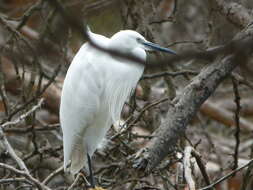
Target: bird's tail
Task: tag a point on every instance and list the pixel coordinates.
(75, 153)
(78, 158)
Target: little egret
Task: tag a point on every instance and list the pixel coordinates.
(95, 89)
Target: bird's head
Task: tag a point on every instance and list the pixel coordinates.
(128, 40)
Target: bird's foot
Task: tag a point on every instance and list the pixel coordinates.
(91, 176)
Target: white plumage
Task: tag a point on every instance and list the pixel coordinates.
(94, 91)
(95, 88)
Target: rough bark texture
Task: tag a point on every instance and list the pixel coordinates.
(234, 12)
(183, 111)
(187, 104)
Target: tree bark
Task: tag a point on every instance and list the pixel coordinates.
(188, 103)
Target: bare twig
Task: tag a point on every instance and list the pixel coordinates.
(172, 74)
(52, 175)
(187, 168)
(227, 176)
(97, 5)
(75, 181)
(11, 151)
(3, 91)
(237, 121)
(32, 128)
(17, 34)
(8, 147)
(247, 176)
(131, 124)
(23, 116)
(185, 42)
(14, 180)
(26, 175)
(29, 13)
(242, 80)
(170, 19)
(201, 166)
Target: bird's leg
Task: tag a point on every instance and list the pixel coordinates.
(92, 183)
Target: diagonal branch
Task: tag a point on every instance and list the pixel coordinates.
(23, 116)
(11, 151)
(234, 12)
(232, 173)
(187, 104)
(178, 117)
(37, 183)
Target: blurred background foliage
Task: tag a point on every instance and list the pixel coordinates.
(36, 47)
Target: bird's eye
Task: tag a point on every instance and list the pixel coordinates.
(138, 39)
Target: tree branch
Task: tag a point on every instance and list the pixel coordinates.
(187, 104)
(26, 175)
(178, 117)
(227, 176)
(11, 151)
(234, 12)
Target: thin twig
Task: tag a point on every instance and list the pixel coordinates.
(26, 175)
(185, 42)
(247, 176)
(49, 127)
(23, 116)
(242, 80)
(3, 93)
(187, 168)
(14, 180)
(226, 176)
(147, 108)
(52, 175)
(237, 121)
(17, 34)
(7, 145)
(11, 151)
(131, 124)
(25, 17)
(172, 74)
(75, 181)
(39, 94)
(201, 166)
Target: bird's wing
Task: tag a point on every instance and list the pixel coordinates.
(121, 78)
(80, 101)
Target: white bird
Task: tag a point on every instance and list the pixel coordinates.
(95, 89)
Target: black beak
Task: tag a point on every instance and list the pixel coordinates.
(152, 46)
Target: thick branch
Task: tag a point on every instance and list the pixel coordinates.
(234, 12)
(183, 111)
(190, 100)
